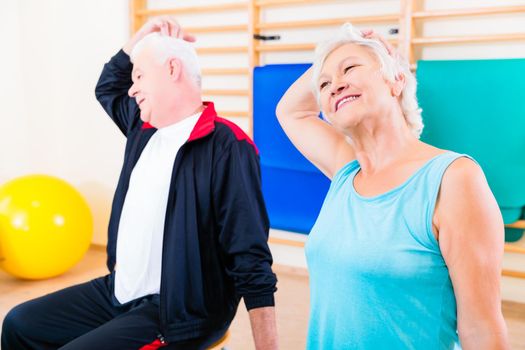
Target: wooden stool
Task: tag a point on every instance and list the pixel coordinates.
(221, 343)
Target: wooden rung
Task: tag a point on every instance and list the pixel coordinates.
(98, 247)
(468, 39)
(285, 47)
(328, 22)
(512, 248)
(225, 71)
(241, 114)
(468, 12)
(221, 92)
(136, 21)
(215, 29)
(273, 3)
(194, 9)
(231, 49)
(517, 224)
(287, 242)
(296, 47)
(513, 273)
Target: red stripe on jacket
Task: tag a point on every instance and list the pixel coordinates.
(206, 124)
(154, 345)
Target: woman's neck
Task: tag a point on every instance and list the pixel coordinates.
(379, 144)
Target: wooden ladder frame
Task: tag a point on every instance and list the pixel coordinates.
(406, 41)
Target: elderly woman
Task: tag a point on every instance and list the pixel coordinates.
(406, 252)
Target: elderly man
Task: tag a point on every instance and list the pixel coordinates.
(188, 229)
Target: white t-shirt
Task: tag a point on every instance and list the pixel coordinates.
(141, 227)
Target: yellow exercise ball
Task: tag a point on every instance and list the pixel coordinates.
(46, 227)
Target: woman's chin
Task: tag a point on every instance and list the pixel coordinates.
(346, 121)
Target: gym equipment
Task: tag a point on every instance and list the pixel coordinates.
(45, 227)
(293, 188)
(476, 107)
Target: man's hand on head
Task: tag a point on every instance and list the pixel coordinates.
(165, 25)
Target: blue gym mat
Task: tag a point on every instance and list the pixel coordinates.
(293, 188)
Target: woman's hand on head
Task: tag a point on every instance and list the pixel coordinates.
(370, 34)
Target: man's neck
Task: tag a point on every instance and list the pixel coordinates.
(182, 112)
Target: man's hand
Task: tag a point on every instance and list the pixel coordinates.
(165, 25)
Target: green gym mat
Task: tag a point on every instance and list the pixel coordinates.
(477, 107)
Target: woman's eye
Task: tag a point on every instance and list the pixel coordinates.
(348, 68)
(323, 85)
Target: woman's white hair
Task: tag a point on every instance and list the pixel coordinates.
(165, 47)
(390, 68)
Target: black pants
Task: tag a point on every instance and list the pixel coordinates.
(88, 316)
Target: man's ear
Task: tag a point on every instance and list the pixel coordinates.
(398, 85)
(174, 68)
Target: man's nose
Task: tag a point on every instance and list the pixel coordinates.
(132, 91)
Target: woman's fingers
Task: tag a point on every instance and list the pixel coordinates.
(370, 34)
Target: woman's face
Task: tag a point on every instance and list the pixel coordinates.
(352, 87)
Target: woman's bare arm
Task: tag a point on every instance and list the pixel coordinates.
(471, 238)
(318, 141)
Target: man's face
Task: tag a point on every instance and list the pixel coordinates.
(151, 84)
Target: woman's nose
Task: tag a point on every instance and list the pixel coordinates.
(337, 87)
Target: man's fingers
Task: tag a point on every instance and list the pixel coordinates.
(167, 25)
(178, 33)
(165, 29)
(189, 37)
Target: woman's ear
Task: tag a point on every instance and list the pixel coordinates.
(174, 68)
(398, 85)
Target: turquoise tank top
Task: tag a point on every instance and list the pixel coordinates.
(377, 276)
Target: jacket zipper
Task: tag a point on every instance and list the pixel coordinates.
(162, 311)
(161, 338)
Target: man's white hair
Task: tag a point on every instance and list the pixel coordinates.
(390, 68)
(165, 47)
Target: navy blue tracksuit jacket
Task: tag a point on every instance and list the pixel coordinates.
(215, 247)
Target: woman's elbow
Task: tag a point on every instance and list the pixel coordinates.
(485, 335)
(280, 110)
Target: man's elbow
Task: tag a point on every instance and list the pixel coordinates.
(98, 91)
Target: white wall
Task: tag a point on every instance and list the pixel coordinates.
(52, 54)
(13, 129)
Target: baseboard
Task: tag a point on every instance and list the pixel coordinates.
(513, 309)
(98, 247)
